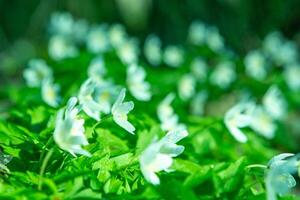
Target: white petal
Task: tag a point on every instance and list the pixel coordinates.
(70, 109)
(151, 177)
(175, 135)
(79, 150)
(92, 109)
(124, 124)
(279, 158)
(125, 107)
(237, 134)
(119, 100)
(162, 162)
(172, 149)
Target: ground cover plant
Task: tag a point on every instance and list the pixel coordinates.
(101, 115)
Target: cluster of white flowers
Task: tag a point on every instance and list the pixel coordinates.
(39, 74)
(159, 155)
(172, 55)
(200, 34)
(280, 50)
(187, 86)
(98, 95)
(99, 40)
(64, 30)
(68, 34)
(261, 118)
(69, 129)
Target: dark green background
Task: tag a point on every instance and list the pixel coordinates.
(242, 22)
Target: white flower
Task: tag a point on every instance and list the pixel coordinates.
(117, 35)
(278, 178)
(105, 93)
(120, 110)
(239, 116)
(291, 75)
(4, 160)
(173, 56)
(69, 130)
(97, 39)
(128, 51)
(89, 105)
(61, 47)
(186, 87)
(50, 92)
(274, 103)
(61, 23)
(96, 69)
(159, 155)
(262, 123)
(80, 30)
(96, 97)
(136, 83)
(197, 103)
(272, 43)
(255, 65)
(281, 51)
(36, 72)
(169, 120)
(197, 33)
(223, 75)
(199, 69)
(214, 40)
(152, 50)
(288, 53)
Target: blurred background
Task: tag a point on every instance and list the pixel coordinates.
(243, 23)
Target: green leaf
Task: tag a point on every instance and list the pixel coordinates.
(230, 178)
(145, 138)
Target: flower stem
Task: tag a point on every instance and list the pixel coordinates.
(44, 165)
(50, 140)
(257, 166)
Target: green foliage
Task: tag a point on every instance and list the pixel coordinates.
(213, 164)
